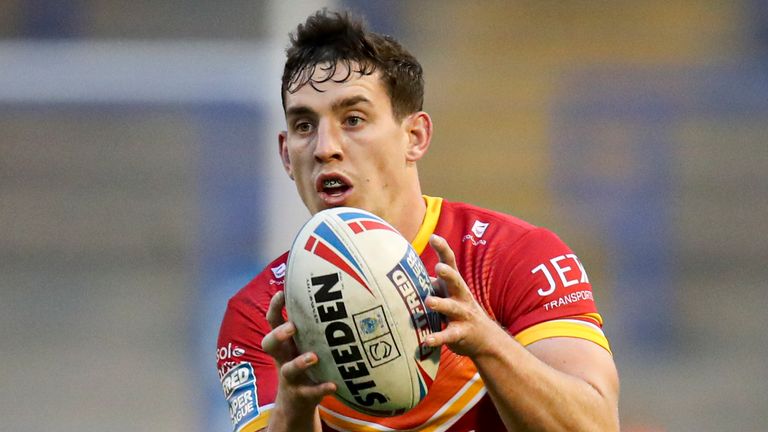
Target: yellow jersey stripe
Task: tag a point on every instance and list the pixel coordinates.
(343, 423)
(594, 316)
(465, 399)
(260, 422)
(428, 224)
(563, 328)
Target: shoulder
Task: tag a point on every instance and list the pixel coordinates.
(473, 223)
(496, 245)
(257, 294)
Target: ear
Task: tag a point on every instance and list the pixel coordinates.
(282, 139)
(419, 129)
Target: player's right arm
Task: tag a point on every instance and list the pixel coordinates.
(248, 375)
(265, 389)
(297, 396)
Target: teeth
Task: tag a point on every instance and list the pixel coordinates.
(332, 183)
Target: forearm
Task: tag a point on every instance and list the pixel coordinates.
(531, 395)
(297, 395)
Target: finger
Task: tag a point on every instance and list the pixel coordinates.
(295, 373)
(446, 307)
(438, 287)
(279, 342)
(448, 336)
(295, 370)
(275, 312)
(319, 391)
(452, 282)
(447, 270)
(444, 252)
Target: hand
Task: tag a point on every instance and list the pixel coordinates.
(470, 331)
(296, 390)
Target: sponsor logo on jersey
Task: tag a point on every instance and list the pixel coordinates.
(478, 229)
(225, 367)
(227, 358)
(239, 386)
(229, 351)
(469, 237)
(279, 271)
(568, 269)
(569, 299)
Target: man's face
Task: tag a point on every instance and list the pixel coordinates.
(343, 146)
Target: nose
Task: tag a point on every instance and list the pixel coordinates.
(328, 143)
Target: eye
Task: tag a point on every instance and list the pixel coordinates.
(353, 121)
(303, 127)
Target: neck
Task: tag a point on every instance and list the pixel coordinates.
(409, 217)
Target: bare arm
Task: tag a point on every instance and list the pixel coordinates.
(558, 384)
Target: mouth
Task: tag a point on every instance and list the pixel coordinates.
(333, 189)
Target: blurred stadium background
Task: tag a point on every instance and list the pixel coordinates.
(140, 188)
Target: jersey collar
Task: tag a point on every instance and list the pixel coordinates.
(434, 204)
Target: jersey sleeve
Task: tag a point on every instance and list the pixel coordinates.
(546, 292)
(248, 375)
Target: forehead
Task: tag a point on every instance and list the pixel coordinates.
(327, 85)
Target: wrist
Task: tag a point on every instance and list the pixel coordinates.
(498, 343)
(292, 414)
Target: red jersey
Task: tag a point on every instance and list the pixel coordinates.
(524, 276)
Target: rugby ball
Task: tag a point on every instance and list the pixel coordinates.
(355, 290)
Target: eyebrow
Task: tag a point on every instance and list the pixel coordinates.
(303, 110)
(298, 111)
(349, 102)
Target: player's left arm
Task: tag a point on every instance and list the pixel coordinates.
(553, 384)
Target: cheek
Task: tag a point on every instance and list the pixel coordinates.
(382, 160)
(390, 165)
(300, 170)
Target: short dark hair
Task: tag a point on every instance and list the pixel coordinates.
(330, 39)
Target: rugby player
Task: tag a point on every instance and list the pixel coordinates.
(523, 348)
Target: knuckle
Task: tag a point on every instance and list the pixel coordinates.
(268, 343)
(434, 302)
(288, 370)
(314, 392)
(283, 332)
